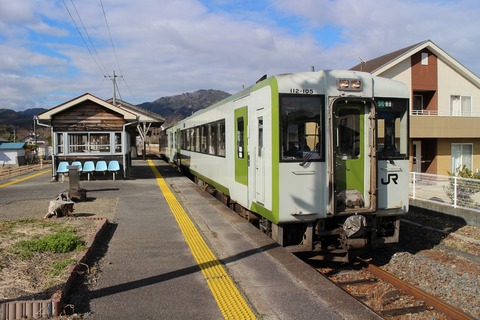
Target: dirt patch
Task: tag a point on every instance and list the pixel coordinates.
(37, 208)
(41, 274)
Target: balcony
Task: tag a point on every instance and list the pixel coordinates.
(434, 124)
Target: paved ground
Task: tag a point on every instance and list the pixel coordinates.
(149, 272)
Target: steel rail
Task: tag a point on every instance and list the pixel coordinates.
(430, 300)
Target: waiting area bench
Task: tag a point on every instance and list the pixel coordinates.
(90, 167)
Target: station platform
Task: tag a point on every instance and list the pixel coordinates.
(178, 253)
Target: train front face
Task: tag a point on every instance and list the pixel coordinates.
(343, 162)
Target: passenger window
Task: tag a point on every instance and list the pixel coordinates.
(221, 138)
(212, 138)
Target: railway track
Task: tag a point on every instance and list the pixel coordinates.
(387, 295)
(14, 171)
(435, 253)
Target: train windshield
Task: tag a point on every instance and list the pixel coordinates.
(392, 120)
(301, 128)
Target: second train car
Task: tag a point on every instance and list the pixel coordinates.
(319, 158)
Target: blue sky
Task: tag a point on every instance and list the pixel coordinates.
(165, 48)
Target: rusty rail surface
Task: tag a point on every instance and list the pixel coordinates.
(430, 300)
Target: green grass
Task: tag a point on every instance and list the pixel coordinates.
(62, 241)
(58, 267)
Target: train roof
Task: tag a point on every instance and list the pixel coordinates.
(396, 91)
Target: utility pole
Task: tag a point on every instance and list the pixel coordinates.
(113, 78)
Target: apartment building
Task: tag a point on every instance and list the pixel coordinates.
(444, 109)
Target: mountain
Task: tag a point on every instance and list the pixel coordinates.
(175, 108)
(172, 108)
(19, 119)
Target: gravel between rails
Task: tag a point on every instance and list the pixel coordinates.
(444, 264)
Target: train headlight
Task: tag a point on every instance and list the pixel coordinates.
(356, 85)
(350, 84)
(343, 84)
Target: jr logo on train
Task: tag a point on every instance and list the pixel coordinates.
(318, 160)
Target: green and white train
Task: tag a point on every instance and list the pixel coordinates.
(319, 159)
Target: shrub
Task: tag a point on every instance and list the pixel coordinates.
(465, 189)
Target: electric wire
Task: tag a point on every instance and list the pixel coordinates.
(111, 39)
(114, 50)
(88, 36)
(91, 48)
(81, 36)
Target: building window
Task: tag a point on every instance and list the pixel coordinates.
(424, 58)
(60, 143)
(460, 105)
(118, 142)
(89, 142)
(462, 155)
(100, 142)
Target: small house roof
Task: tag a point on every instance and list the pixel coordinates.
(12, 145)
(383, 63)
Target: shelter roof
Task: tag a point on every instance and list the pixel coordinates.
(128, 115)
(144, 115)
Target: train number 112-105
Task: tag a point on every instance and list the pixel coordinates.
(302, 91)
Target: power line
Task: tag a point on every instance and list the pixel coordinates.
(111, 40)
(88, 36)
(113, 47)
(91, 47)
(83, 39)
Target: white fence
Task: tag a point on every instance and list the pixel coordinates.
(450, 191)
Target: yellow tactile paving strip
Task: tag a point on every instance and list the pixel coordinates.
(23, 179)
(229, 299)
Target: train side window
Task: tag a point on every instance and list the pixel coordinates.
(184, 140)
(212, 138)
(187, 139)
(221, 138)
(191, 133)
(240, 132)
(204, 141)
(197, 139)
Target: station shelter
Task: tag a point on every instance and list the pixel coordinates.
(88, 128)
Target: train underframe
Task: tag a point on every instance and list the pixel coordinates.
(339, 238)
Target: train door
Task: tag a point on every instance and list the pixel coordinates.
(353, 159)
(257, 158)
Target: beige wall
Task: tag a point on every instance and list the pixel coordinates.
(400, 72)
(450, 83)
(444, 149)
